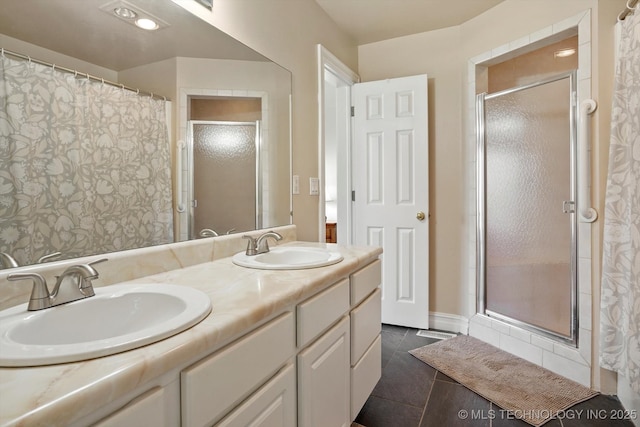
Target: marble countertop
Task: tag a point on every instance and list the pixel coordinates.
(241, 298)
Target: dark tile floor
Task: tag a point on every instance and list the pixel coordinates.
(413, 394)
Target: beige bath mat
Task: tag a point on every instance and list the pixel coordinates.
(531, 393)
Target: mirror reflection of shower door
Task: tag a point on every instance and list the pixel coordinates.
(224, 176)
(528, 222)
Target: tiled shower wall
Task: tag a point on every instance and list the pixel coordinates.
(571, 362)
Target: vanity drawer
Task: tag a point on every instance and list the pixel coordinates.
(217, 383)
(320, 311)
(147, 409)
(365, 376)
(364, 281)
(366, 324)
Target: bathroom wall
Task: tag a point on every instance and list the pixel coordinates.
(287, 32)
(52, 57)
(443, 55)
(596, 64)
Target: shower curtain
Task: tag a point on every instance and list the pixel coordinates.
(620, 299)
(84, 166)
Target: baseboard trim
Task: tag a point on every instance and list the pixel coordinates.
(449, 322)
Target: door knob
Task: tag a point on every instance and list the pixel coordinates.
(420, 216)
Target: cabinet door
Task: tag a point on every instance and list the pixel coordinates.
(365, 375)
(274, 405)
(324, 380)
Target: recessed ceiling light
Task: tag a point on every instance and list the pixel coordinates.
(133, 15)
(563, 53)
(125, 13)
(146, 24)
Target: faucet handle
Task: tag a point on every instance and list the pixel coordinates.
(85, 285)
(48, 257)
(7, 261)
(40, 297)
(98, 261)
(208, 232)
(252, 245)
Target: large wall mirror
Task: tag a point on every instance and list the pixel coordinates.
(115, 138)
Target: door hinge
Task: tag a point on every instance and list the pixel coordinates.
(353, 195)
(353, 111)
(568, 206)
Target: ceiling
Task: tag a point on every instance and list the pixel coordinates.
(79, 28)
(368, 21)
(82, 30)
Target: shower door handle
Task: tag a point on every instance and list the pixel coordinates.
(568, 206)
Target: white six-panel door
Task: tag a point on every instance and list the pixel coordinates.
(391, 184)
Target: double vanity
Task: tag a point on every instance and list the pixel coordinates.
(292, 342)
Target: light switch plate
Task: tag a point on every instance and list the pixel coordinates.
(296, 184)
(314, 186)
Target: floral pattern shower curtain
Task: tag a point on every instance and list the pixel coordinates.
(620, 299)
(84, 166)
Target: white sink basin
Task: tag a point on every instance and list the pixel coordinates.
(289, 258)
(116, 319)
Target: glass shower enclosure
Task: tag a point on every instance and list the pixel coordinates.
(527, 247)
(224, 177)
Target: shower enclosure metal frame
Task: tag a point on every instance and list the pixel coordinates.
(481, 226)
(190, 168)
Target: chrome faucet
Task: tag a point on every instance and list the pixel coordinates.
(78, 286)
(7, 261)
(260, 244)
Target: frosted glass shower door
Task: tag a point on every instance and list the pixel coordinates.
(529, 229)
(224, 176)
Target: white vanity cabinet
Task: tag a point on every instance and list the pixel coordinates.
(314, 365)
(315, 371)
(216, 384)
(338, 369)
(312, 362)
(323, 358)
(323, 380)
(365, 327)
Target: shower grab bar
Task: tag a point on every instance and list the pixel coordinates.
(179, 148)
(586, 212)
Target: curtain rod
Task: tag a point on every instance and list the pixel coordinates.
(4, 51)
(629, 9)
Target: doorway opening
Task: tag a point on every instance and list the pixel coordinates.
(377, 171)
(335, 133)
